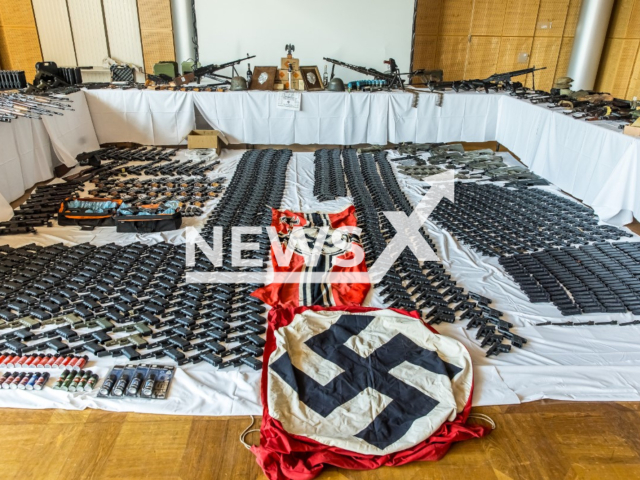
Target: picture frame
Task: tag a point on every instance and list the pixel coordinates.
(263, 78)
(312, 78)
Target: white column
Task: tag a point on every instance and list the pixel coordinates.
(182, 30)
(588, 42)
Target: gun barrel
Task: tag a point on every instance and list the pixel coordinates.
(516, 73)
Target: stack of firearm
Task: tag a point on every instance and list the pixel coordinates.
(588, 106)
(39, 209)
(392, 79)
(195, 190)
(182, 168)
(496, 82)
(474, 165)
(138, 154)
(15, 105)
(12, 79)
(63, 301)
(209, 71)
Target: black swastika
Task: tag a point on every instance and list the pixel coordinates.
(408, 403)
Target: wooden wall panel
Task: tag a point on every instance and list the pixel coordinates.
(552, 15)
(616, 67)
(634, 82)
(544, 53)
(572, 18)
(16, 14)
(428, 15)
(563, 57)
(488, 16)
(633, 28)
(425, 52)
(510, 49)
(619, 22)
(451, 55)
(19, 43)
(156, 31)
(620, 54)
(482, 57)
(456, 17)
(468, 35)
(54, 30)
(520, 18)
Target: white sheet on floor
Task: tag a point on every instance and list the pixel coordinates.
(566, 363)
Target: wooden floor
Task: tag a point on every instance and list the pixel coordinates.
(541, 440)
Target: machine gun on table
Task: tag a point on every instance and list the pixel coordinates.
(393, 78)
(495, 82)
(210, 71)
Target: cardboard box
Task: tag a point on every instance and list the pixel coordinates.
(283, 80)
(284, 63)
(631, 130)
(207, 139)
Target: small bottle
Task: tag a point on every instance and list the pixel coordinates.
(23, 383)
(63, 377)
(40, 383)
(634, 103)
(91, 383)
(121, 385)
(134, 386)
(149, 384)
(33, 381)
(325, 77)
(108, 385)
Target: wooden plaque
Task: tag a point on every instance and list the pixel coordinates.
(263, 78)
(311, 78)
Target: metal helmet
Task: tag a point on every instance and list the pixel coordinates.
(336, 85)
(238, 84)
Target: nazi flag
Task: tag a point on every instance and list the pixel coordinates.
(359, 388)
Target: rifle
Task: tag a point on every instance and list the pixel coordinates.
(505, 78)
(210, 71)
(394, 78)
(494, 82)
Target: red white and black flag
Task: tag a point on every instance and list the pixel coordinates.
(300, 232)
(359, 388)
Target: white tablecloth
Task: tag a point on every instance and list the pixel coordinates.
(141, 116)
(594, 164)
(26, 149)
(73, 132)
(25, 158)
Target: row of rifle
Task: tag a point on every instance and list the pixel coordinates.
(18, 105)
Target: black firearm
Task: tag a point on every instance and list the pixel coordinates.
(394, 77)
(494, 82)
(507, 76)
(210, 71)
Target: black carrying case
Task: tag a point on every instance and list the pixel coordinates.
(87, 220)
(148, 223)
